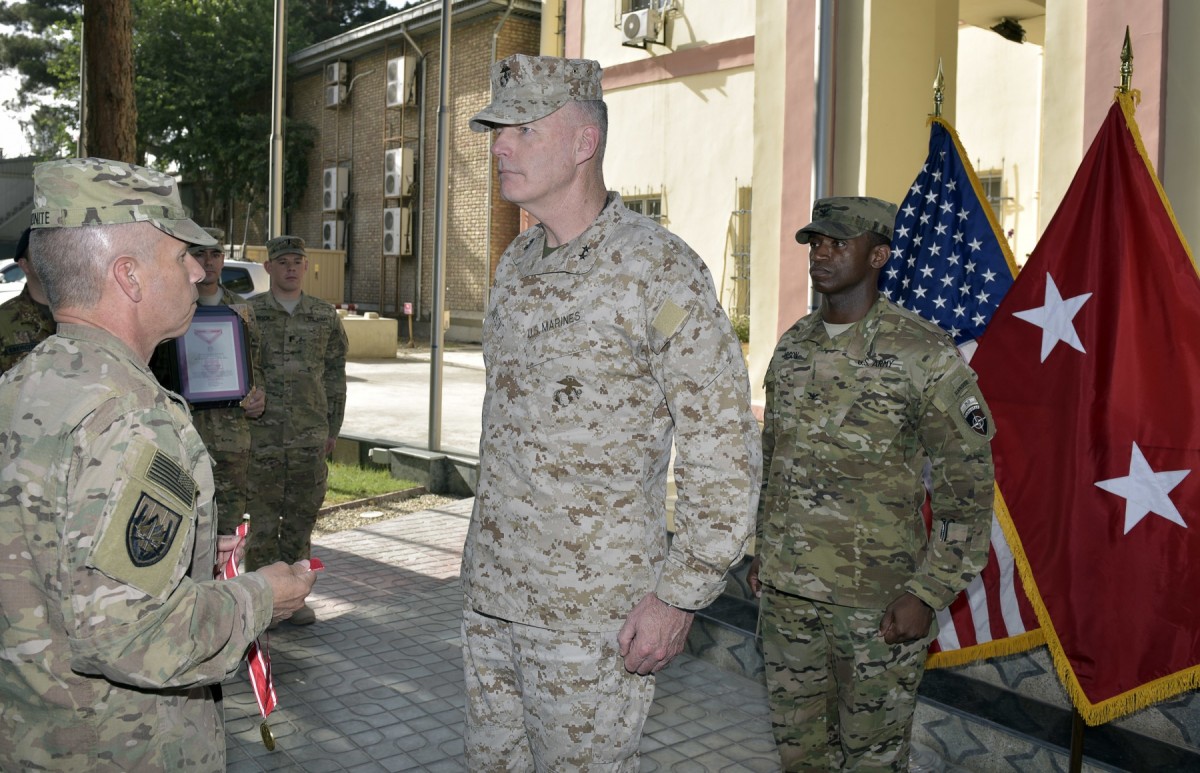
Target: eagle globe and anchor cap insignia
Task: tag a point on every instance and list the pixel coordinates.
(976, 419)
(570, 392)
(150, 531)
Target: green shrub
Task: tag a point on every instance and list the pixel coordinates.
(741, 326)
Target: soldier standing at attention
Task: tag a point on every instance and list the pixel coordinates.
(603, 341)
(26, 319)
(114, 629)
(226, 431)
(304, 364)
(859, 395)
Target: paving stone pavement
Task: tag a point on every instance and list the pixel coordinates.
(376, 684)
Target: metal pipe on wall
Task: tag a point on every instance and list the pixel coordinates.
(823, 123)
(279, 65)
(419, 236)
(439, 248)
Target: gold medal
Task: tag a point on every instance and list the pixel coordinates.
(268, 738)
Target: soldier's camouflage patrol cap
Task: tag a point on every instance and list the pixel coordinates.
(285, 245)
(216, 233)
(844, 217)
(526, 88)
(95, 191)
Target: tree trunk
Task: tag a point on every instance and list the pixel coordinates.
(110, 115)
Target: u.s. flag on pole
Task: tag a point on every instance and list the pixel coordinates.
(950, 264)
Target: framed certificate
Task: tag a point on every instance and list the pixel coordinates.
(212, 359)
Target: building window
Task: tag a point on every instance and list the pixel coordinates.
(650, 206)
(992, 184)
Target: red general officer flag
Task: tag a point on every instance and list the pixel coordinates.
(1091, 366)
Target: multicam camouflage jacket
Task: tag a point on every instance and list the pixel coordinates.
(23, 324)
(304, 370)
(596, 355)
(113, 627)
(228, 429)
(848, 427)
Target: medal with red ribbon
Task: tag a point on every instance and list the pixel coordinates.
(257, 657)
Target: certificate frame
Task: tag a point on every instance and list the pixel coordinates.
(212, 359)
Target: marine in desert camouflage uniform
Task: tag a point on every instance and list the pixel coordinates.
(603, 341)
(859, 396)
(304, 367)
(114, 628)
(26, 319)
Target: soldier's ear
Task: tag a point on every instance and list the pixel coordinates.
(880, 254)
(125, 272)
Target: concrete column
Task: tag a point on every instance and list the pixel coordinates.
(784, 117)
(886, 60)
(1181, 128)
(1082, 71)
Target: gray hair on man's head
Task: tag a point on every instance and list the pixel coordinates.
(72, 262)
(595, 111)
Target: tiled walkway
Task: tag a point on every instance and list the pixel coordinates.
(376, 684)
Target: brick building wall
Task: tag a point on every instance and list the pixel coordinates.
(356, 136)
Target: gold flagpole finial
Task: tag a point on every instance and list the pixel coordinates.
(939, 83)
(1126, 63)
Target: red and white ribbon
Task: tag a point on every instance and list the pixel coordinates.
(258, 658)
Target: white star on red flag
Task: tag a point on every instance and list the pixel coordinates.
(1146, 491)
(1055, 317)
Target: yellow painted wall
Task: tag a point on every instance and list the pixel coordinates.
(1182, 154)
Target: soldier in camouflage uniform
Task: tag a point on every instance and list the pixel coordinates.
(26, 319)
(304, 365)
(603, 341)
(226, 431)
(860, 395)
(114, 628)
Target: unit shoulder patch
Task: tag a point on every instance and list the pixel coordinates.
(147, 527)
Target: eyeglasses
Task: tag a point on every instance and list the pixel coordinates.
(208, 254)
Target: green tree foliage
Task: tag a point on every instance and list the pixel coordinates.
(203, 70)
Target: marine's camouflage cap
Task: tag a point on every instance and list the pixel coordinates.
(526, 88)
(216, 233)
(844, 217)
(95, 191)
(285, 245)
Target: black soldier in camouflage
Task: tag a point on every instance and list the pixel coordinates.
(861, 394)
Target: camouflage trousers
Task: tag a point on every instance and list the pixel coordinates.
(231, 476)
(288, 489)
(841, 698)
(542, 700)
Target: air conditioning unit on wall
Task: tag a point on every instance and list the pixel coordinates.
(400, 82)
(335, 73)
(641, 27)
(398, 172)
(397, 237)
(335, 95)
(335, 185)
(332, 232)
